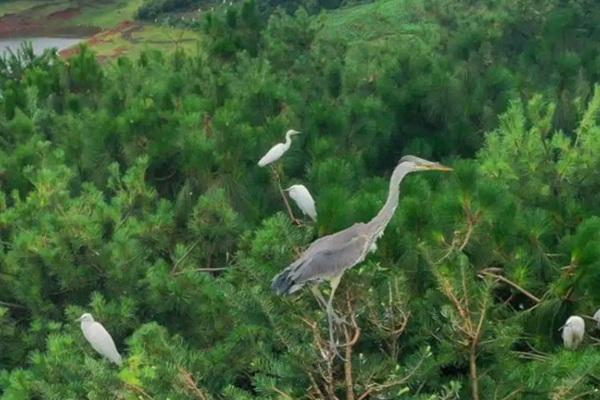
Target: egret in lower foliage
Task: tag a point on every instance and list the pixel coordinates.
(329, 257)
(573, 331)
(99, 338)
(303, 199)
(597, 317)
(278, 150)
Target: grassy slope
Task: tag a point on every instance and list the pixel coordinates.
(107, 15)
(374, 22)
(147, 37)
(15, 7)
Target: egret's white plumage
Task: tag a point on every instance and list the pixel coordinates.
(597, 317)
(303, 199)
(99, 338)
(278, 150)
(573, 331)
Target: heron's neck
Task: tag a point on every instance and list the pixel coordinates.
(387, 212)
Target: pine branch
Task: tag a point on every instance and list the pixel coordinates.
(501, 278)
(184, 256)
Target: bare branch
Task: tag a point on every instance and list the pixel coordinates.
(202, 270)
(184, 256)
(282, 394)
(13, 305)
(285, 200)
(375, 388)
(191, 384)
(501, 278)
(138, 390)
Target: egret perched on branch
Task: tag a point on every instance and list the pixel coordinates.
(99, 338)
(329, 257)
(278, 150)
(573, 331)
(303, 199)
(597, 317)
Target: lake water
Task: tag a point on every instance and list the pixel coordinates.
(39, 43)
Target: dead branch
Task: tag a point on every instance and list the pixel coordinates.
(282, 394)
(472, 221)
(13, 305)
(512, 284)
(189, 382)
(284, 197)
(202, 270)
(138, 390)
(184, 256)
(378, 387)
(325, 366)
(351, 340)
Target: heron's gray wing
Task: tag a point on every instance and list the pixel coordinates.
(325, 258)
(336, 239)
(329, 261)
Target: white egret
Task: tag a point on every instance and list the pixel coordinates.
(278, 150)
(573, 331)
(597, 317)
(99, 338)
(303, 199)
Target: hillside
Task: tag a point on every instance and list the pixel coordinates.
(109, 27)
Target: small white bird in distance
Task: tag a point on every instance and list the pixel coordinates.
(99, 338)
(303, 199)
(597, 317)
(573, 331)
(278, 150)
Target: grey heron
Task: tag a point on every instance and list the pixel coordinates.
(278, 150)
(573, 331)
(303, 199)
(99, 338)
(329, 257)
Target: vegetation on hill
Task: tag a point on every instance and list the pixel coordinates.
(130, 190)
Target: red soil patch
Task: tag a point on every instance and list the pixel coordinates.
(123, 28)
(66, 14)
(119, 51)
(13, 24)
(23, 24)
(70, 52)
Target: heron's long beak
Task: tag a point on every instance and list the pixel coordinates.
(437, 167)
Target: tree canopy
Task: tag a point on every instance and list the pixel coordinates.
(130, 190)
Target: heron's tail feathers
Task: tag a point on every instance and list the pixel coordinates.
(284, 284)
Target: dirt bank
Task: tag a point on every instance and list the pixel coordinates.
(33, 22)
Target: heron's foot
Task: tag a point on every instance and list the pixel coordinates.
(339, 320)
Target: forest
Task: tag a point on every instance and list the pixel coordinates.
(129, 189)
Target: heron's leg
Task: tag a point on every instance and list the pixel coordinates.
(323, 303)
(317, 293)
(330, 313)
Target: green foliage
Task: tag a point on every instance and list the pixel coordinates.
(130, 190)
(150, 9)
